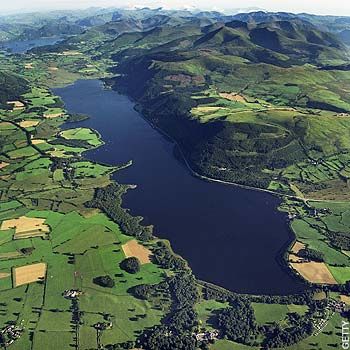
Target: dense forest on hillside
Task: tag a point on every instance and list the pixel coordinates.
(11, 87)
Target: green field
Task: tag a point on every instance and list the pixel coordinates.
(269, 313)
(88, 135)
(229, 345)
(82, 243)
(206, 312)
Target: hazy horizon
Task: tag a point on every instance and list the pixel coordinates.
(322, 7)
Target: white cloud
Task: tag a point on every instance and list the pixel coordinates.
(335, 7)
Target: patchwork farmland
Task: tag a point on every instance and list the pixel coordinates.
(51, 242)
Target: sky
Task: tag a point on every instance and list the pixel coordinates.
(333, 7)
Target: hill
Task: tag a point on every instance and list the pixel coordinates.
(11, 87)
(272, 71)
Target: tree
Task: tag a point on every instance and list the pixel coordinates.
(27, 250)
(238, 322)
(104, 281)
(311, 254)
(131, 265)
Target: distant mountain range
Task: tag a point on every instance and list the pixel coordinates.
(36, 25)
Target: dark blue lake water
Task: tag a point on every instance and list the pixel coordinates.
(22, 46)
(230, 236)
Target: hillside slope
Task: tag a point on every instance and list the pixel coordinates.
(240, 98)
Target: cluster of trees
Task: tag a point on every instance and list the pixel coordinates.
(61, 163)
(131, 264)
(11, 87)
(141, 291)
(325, 105)
(278, 337)
(76, 117)
(311, 254)
(339, 240)
(163, 256)
(237, 322)
(212, 292)
(64, 163)
(70, 142)
(126, 345)
(341, 288)
(177, 328)
(161, 338)
(57, 104)
(104, 281)
(184, 289)
(244, 159)
(27, 250)
(58, 47)
(108, 199)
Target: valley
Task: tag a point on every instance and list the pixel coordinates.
(110, 239)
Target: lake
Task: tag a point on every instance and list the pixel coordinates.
(230, 236)
(22, 46)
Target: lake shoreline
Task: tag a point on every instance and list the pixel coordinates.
(278, 258)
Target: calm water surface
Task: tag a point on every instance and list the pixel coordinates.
(230, 236)
(22, 46)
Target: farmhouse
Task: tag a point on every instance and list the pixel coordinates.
(9, 334)
(103, 325)
(205, 336)
(337, 305)
(72, 293)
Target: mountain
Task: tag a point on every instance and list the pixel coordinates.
(279, 42)
(12, 87)
(345, 36)
(263, 16)
(273, 69)
(281, 64)
(57, 28)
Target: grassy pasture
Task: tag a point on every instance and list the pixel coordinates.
(88, 169)
(84, 134)
(341, 274)
(54, 340)
(268, 313)
(206, 312)
(129, 314)
(22, 152)
(75, 234)
(62, 151)
(316, 239)
(223, 344)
